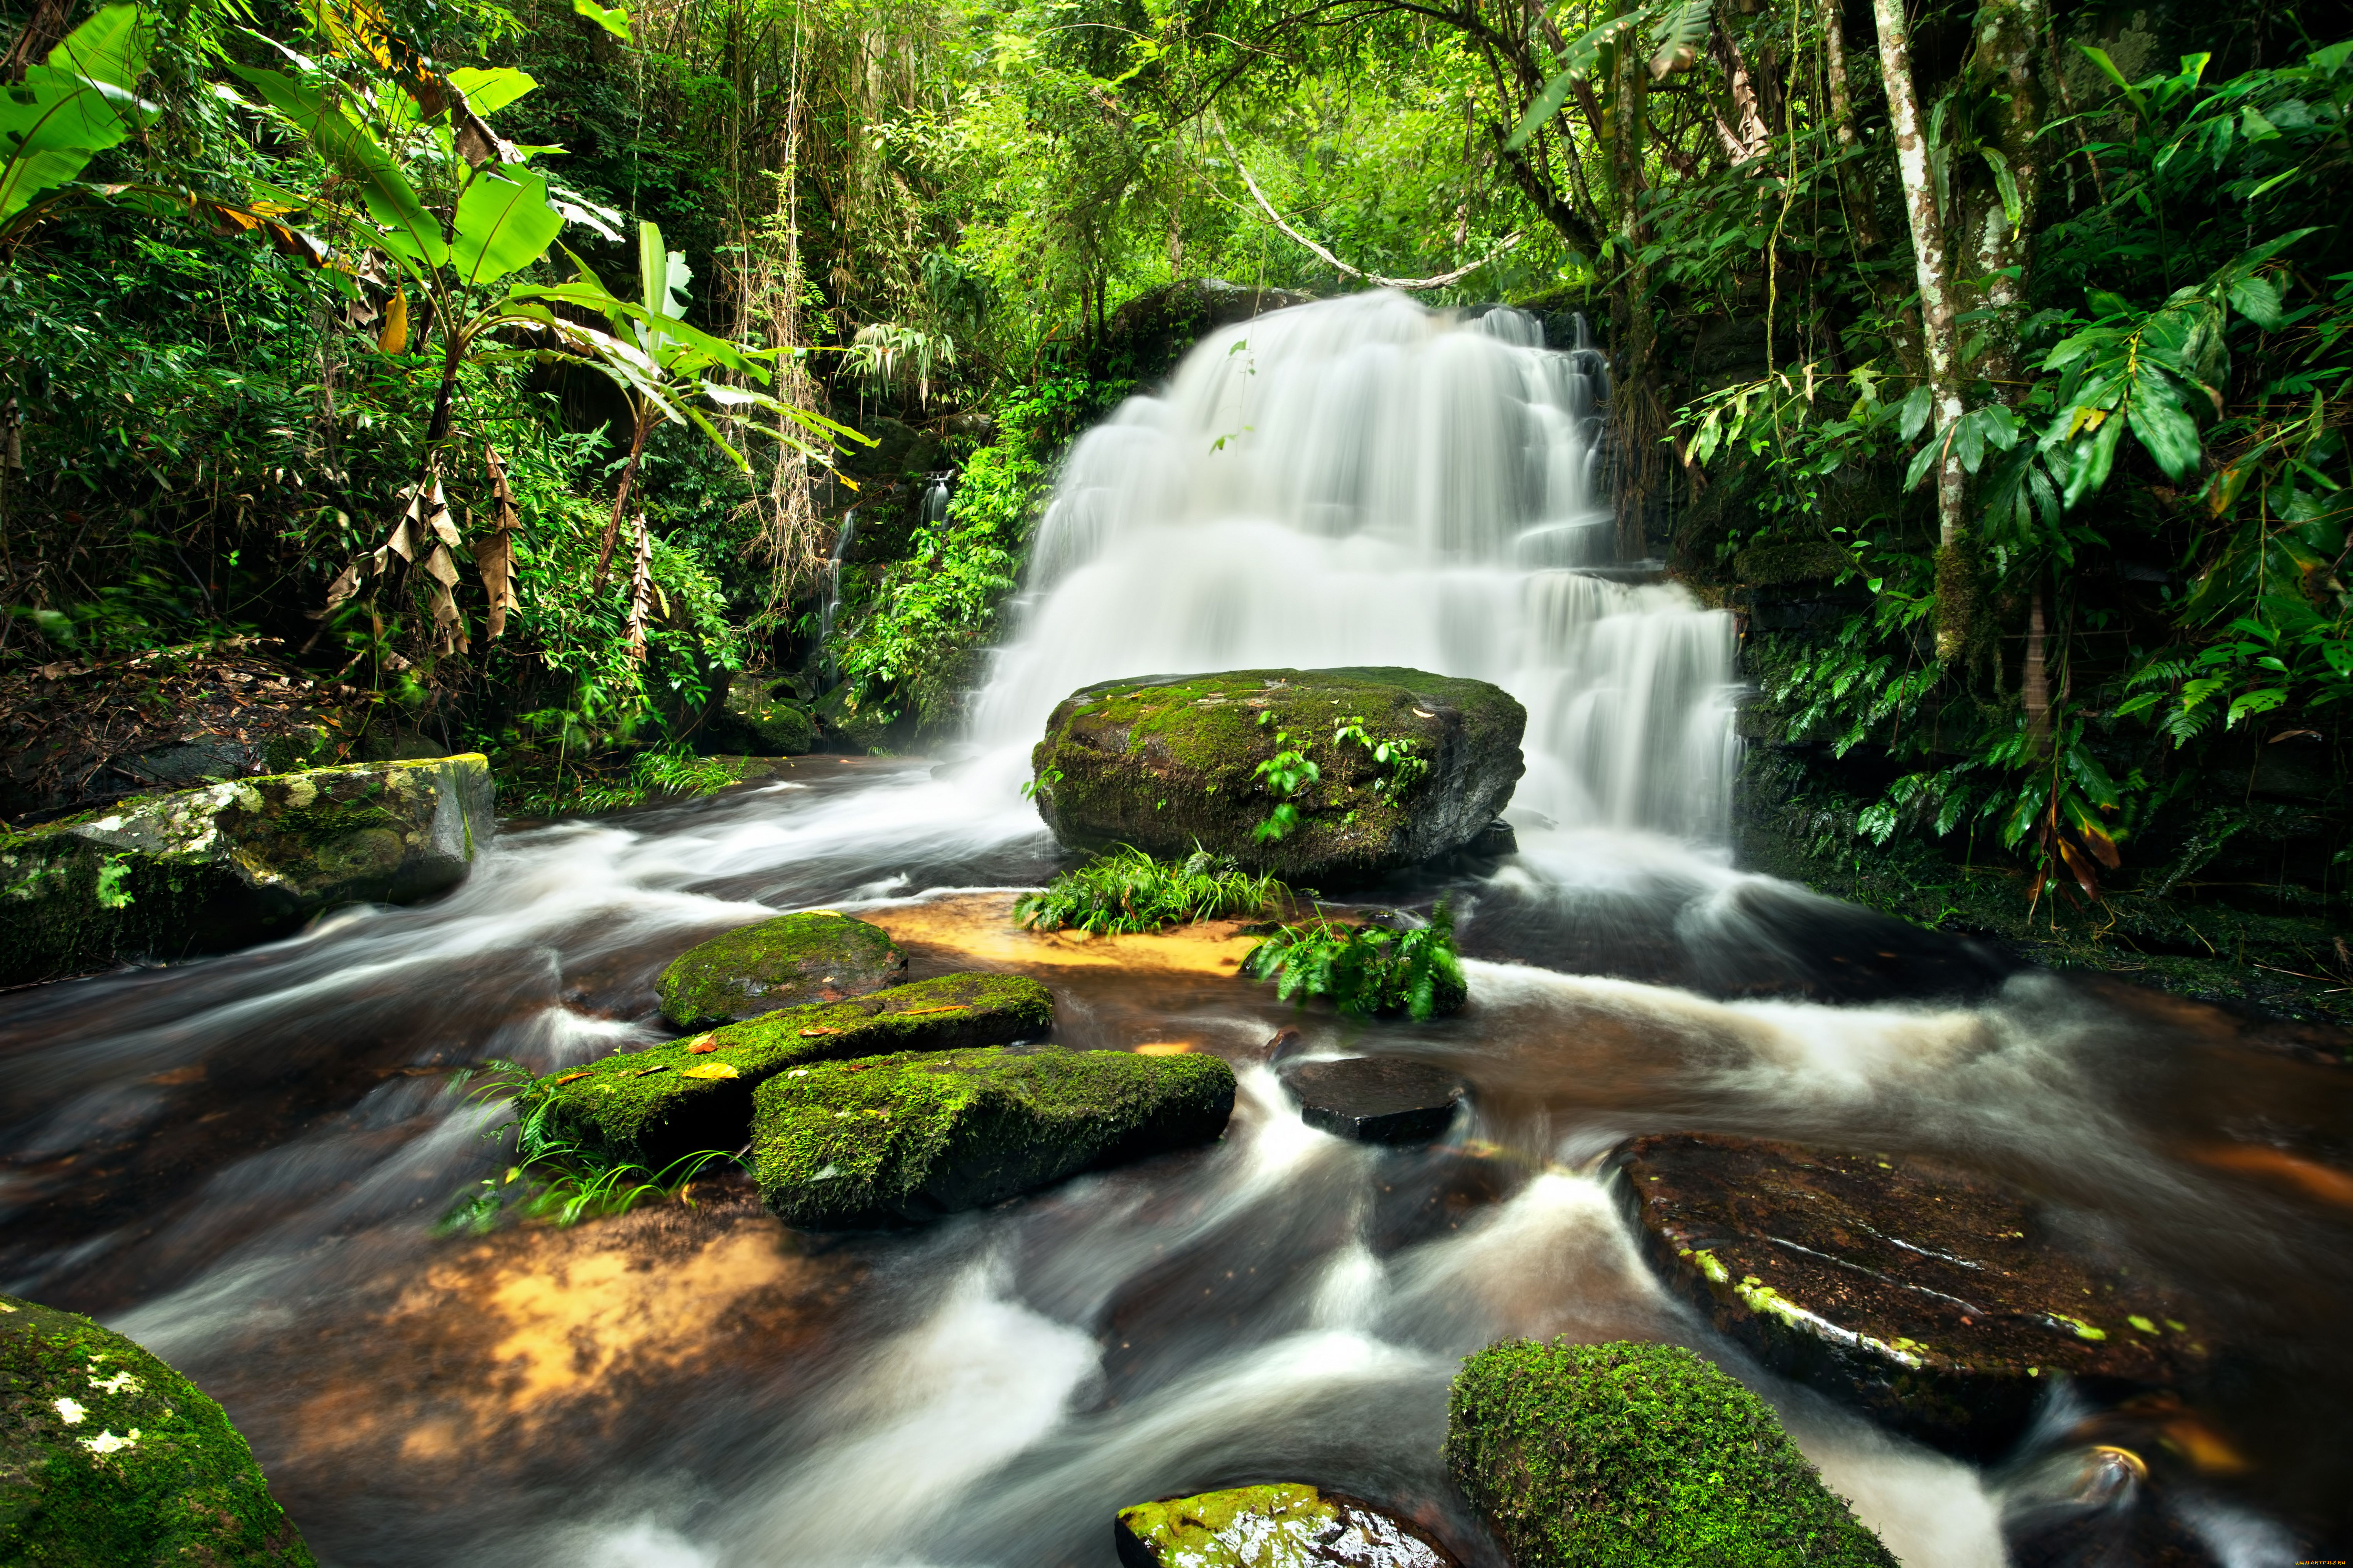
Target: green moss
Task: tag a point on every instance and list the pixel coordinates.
(885, 1140)
(641, 1106)
(109, 1457)
(768, 725)
(1639, 1456)
(791, 961)
(1282, 1522)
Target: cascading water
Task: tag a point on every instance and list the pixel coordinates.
(1362, 481)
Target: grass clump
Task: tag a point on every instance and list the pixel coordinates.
(1365, 970)
(1126, 892)
(1639, 1456)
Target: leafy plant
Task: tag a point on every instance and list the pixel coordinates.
(1365, 968)
(79, 102)
(1127, 891)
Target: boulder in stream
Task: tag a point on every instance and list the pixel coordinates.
(689, 1095)
(1941, 1302)
(896, 1140)
(1411, 766)
(109, 1458)
(1622, 1453)
(1375, 1100)
(814, 955)
(207, 870)
(757, 716)
(1286, 1524)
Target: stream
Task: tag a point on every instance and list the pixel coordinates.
(241, 1161)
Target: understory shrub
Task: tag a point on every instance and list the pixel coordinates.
(1127, 891)
(1365, 968)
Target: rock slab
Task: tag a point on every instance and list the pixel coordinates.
(658, 1105)
(1286, 1524)
(1940, 1302)
(205, 870)
(892, 1141)
(109, 1457)
(789, 961)
(1375, 1100)
(1166, 763)
(1637, 1454)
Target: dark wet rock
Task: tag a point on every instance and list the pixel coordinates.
(789, 961)
(205, 870)
(1146, 338)
(1582, 1455)
(109, 1457)
(889, 1140)
(1375, 1100)
(654, 1106)
(1942, 1303)
(1168, 763)
(757, 715)
(1283, 1525)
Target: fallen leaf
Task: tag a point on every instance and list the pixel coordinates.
(836, 914)
(648, 1072)
(1163, 1048)
(2308, 1177)
(702, 1045)
(821, 1029)
(919, 1012)
(711, 1069)
(567, 1077)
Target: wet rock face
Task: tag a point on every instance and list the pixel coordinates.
(1940, 1303)
(1168, 762)
(891, 1141)
(207, 870)
(1581, 1455)
(107, 1456)
(1282, 1525)
(789, 961)
(1375, 1100)
(755, 716)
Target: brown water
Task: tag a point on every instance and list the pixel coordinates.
(240, 1161)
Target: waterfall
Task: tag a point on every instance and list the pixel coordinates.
(1361, 481)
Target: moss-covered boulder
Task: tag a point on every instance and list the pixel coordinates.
(1639, 1456)
(757, 715)
(1940, 1302)
(653, 1106)
(1286, 1524)
(858, 1145)
(1409, 765)
(789, 961)
(207, 870)
(110, 1459)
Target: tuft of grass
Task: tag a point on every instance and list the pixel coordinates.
(1127, 891)
(664, 772)
(1365, 968)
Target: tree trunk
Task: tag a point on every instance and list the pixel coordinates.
(1861, 222)
(644, 425)
(2034, 679)
(1638, 420)
(2003, 70)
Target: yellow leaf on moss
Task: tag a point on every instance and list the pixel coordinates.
(711, 1069)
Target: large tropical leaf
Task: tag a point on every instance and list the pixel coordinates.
(80, 103)
(405, 227)
(1678, 29)
(110, 49)
(1577, 63)
(504, 223)
(488, 91)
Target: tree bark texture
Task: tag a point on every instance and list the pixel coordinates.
(1861, 221)
(1995, 250)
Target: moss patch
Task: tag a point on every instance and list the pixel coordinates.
(766, 724)
(789, 961)
(1639, 1456)
(855, 1145)
(1168, 763)
(654, 1105)
(1283, 1525)
(109, 1457)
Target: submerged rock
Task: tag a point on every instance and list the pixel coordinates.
(207, 870)
(1375, 1100)
(109, 1457)
(862, 1144)
(1942, 1303)
(789, 961)
(1580, 1455)
(1171, 762)
(1282, 1525)
(653, 1106)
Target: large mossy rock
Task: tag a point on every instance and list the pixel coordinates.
(1284, 1524)
(757, 716)
(792, 961)
(1168, 762)
(1941, 1303)
(1639, 1456)
(653, 1106)
(207, 870)
(889, 1140)
(110, 1459)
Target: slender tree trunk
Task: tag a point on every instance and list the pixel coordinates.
(1998, 247)
(644, 425)
(1861, 221)
(2034, 681)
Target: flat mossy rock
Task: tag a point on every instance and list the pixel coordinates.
(764, 722)
(689, 1095)
(205, 870)
(896, 1140)
(1286, 1524)
(1639, 1456)
(110, 1459)
(1168, 762)
(1941, 1303)
(789, 961)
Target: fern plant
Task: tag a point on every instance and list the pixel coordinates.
(1128, 891)
(1365, 970)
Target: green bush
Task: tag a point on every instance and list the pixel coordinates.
(1365, 968)
(1127, 891)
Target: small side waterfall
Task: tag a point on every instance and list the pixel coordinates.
(1366, 481)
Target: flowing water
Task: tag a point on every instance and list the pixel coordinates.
(240, 1161)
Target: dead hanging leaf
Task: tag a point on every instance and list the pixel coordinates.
(641, 592)
(820, 1032)
(494, 554)
(711, 1069)
(394, 339)
(573, 1077)
(701, 1045)
(440, 567)
(437, 519)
